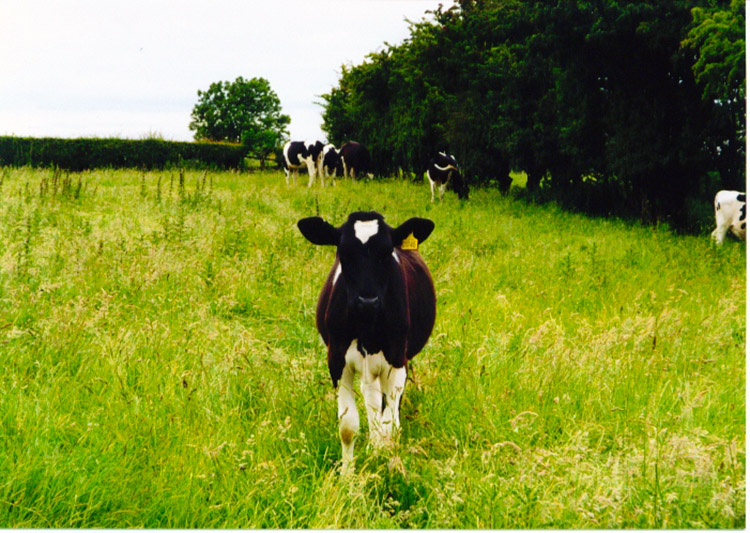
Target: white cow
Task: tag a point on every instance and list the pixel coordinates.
(731, 214)
(298, 154)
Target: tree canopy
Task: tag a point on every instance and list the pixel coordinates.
(246, 111)
(633, 108)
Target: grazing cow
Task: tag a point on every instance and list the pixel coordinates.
(730, 215)
(302, 153)
(355, 159)
(375, 313)
(443, 171)
(331, 160)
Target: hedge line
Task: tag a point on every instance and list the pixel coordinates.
(83, 154)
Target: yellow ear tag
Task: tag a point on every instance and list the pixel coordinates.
(409, 243)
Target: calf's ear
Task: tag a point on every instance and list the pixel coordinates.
(318, 231)
(420, 227)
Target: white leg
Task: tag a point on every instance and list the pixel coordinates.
(346, 170)
(393, 382)
(432, 190)
(718, 235)
(348, 418)
(319, 170)
(442, 190)
(311, 172)
(722, 225)
(373, 396)
(286, 172)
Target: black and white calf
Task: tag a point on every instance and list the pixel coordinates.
(331, 161)
(355, 159)
(731, 214)
(302, 153)
(443, 171)
(375, 313)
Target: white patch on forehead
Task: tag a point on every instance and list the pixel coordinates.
(364, 229)
(336, 274)
(395, 256)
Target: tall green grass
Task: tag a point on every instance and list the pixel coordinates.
(161, 366)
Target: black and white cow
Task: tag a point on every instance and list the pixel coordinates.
(302, 153)
(375, 313)
(355, 159)
(331, 161)
(443, 171)
(731, 214)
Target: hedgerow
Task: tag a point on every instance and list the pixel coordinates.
(90, 153)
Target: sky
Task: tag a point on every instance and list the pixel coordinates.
(132, 69)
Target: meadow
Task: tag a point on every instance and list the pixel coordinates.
(161, 366)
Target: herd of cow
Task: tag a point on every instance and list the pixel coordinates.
(325, 161)
(377, 308)
(352, 160)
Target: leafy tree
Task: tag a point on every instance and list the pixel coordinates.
(261, 142)
(610, 106)
(717, 38)
(246, 111)
(718, 35)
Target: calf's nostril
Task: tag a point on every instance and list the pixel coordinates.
(368, 302)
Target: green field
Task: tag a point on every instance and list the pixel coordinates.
(161, 366)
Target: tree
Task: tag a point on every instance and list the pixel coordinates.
(717, 40)
(614, 107)
(246, 111)
(719, 37)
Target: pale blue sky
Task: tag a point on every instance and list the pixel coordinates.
(73, 68)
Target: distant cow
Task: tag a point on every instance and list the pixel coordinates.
(331, 161)
(355, 159)
(302, 153)
(443, 171)
(731, 214)
(375, 313)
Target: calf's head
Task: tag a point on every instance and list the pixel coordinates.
(459, 185)
(365, 247)
(330, 157)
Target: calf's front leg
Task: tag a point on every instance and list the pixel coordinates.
(348, 418)
(373, 399)
(392, 383)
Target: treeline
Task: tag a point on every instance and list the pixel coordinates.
(615, 108)
(85, 154)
